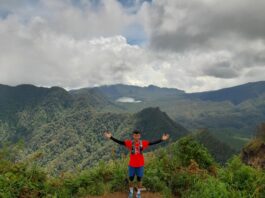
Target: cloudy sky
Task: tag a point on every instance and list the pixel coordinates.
(194, 45)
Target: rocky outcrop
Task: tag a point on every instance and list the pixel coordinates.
(254, 154)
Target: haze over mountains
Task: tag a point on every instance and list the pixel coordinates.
(236, 95)
(237, 110)
(66, 126)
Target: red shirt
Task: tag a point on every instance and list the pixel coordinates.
(137, 159)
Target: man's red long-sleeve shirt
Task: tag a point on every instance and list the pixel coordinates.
(137, 159)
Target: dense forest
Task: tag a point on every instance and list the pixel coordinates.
(52, 144)
(184, 168)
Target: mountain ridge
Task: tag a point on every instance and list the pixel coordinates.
(74, 118)
(68, 129)
(235, 94)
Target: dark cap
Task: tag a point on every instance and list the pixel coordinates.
(136, 131)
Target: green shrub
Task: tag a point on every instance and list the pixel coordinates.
(187, 149)
(207, 188)
(182, 169)
(119, 180)
(243, 178)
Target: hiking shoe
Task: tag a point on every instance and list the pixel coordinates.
(130, 194)
(138, 195)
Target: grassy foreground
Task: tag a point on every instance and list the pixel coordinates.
(183, 169)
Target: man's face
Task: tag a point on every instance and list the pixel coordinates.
(136, 136)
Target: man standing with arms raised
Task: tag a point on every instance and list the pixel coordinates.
(136, 163)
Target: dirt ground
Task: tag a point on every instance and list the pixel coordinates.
(125, 195)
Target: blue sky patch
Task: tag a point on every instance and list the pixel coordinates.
(130, 3)
(135, 34)
(4, 13)
(80, 3)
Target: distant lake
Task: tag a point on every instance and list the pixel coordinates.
(128, 99)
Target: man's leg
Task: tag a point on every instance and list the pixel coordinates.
(140, 174)
(131, 171)
(139, 182)
(131, 182)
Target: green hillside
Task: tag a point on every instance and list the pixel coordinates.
(149, 93)
(67, 129)
(76, 139)
(15, 99)
(218, 149)
(182, 169)
(236, 95)
(231, 113)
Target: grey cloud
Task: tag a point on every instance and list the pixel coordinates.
(202, 26)
(256, 73)
(221, 70)
(210, 46)
(251, 57)
(199, 23)
(63, 17)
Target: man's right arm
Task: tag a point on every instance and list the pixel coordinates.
(117, 141)
(108, 135)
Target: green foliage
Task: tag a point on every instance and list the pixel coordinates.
(62, 132)
(207, 188)
(20, 178)
(167, 171)
(233, 121)
(219, 150)
(253, 153)
(67, 127)
(188, 149)
(241, 178)
(253, 146)
(64, 125)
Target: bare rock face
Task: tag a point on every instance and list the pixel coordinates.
(254, 154)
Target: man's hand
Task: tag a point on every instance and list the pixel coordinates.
(107, 134)
(165, 136)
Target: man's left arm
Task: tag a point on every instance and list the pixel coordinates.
(163, 138)
(155, 142)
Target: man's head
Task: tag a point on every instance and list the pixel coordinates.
(136, 134)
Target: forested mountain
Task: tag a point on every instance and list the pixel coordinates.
(236, 95)
(77, 138)
(66, 155)
(149, 93)
(231, 113)
(67, 129)
(26, 107)
(67, 126)
(15, 99)
(218, 149)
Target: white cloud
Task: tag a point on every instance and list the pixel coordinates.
(128, 100)
(34, 54)
(191, 47)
